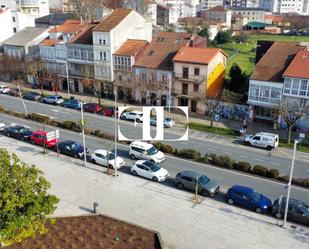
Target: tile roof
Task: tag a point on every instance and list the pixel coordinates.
(24, 36)
(54, 18)
(299, 67)
(84, 36)
(112, 20)
(69, 26)
(162, 49)
(275, 61)
(131, 47)
(196, 55)
(48, 42)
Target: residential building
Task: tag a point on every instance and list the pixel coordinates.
(12, 22)
(199, 74)
(252, 14)
(286, 6)
(208, 4)
(35, 8)
(123, 60)
(25, 43)
(245, 3)
(239, 22)
(154, 69)
(110, 34)
(266, 82)
(219, 14)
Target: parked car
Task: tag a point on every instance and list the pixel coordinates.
(107, 159)
(72, 103)
(4, 89)
(149, 170)
(2, 126)
(263, 139)
(92, 107)
(34, 96)
(167, 122)
(189, 179)
(53, 99)
(18, 131)
(298, 211)
(110, 111)
(133, 116)
(71, 148)
(40, 138)
(14, 92)
(248, 198)
(142, 150)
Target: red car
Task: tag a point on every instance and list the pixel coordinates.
(109, 111)
(92, 107)
(39, 137)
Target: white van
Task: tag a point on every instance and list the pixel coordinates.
(263, 139)
(142, 150)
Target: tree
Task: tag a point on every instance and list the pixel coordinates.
(290, 113)
(12, 68)
(237, 79)
(241, 38)
(36, 69)
(204, 33)
(24, 201)
(223, 37)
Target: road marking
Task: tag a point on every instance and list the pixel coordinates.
(260, 160)
(55, 110)
(243, 156)
(229, 153)
(275, 163)
(211, 149)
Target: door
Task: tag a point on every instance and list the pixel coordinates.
(240, 198)
(101, 159)
(189, 182)
(76, 86)
(256, 141)
(142, 170)
(193, 106)
(296, 214)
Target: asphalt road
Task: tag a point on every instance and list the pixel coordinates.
(203, 142)
(226, 178)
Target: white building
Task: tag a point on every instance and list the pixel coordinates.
(246, 3)
(111, 33)
(36, 8)
(207, 4)
(252, 14)
(286, 6)
(12, 21)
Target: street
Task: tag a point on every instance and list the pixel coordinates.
(203, 142)
(226, 178)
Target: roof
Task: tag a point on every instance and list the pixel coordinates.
(84, 36)
(218, 9)
(275, 61)
(69, 26)
(196, 55)
(141, 144)
(162, 49)
(131, 47)
(54, 18)
(258, 24)
(24, 36)
(111, 21)
(299, 67)
(48, 42)
(246, 9)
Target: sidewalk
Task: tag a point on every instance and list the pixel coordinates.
(182, 224)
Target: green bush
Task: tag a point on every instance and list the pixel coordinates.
(71, 125)
(189, 154)
(95, 133)
(214, 159)
(39, 118)
(1, 109)
(304, 182)
(242, 166)
(204, 159)
(226, 162)
(260, 170)
(164, 148)
(283, 178)
(273, 173)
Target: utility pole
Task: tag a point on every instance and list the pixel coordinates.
(22, 100)
(67, 72)
(115, 129)
(83, 133)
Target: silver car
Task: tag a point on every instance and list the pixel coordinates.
(167, 122)
(189, 179)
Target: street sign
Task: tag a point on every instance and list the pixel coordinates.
(217, 117)
(302, 135)
(52, 135)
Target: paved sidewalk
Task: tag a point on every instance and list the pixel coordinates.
(183, 225)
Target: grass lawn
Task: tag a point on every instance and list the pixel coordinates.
(244, 54)
(215, 130)
(300, 147)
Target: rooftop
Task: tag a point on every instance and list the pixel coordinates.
(218, 9)
(24, 36)
(246, 9)
(299, 67)
(162, 49)
(54, 18)
(131, 47)
(69, 26)
(196, 55)
(111, 21)
(275, 61)
(84, 36)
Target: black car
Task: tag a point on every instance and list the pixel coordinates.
(298, 211)
(71, 148)
(18, 131)
(32, 96)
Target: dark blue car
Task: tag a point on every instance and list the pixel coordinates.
(248, 198)
(73, 104)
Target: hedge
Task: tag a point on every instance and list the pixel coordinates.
(39, 118)
(260, 170)
(273, 173)
(242, 166)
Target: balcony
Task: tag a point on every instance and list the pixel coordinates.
(190, 77)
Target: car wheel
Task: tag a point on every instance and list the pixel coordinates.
(133, 157)
(205, 193)
(153, 161)
(22, 138)
(247, 143)
(124, 118)
(230, 201)
(32, 142)
(8, 134)
(76, 156)
(134, 173)
(155, 179)
(268, 147)
(110, 166)
(278, 215)
(93, 161)
(258, 210)
(179, 185)
(44, 101)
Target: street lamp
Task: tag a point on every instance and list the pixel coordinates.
(296, 141)
(115, 129)
(83, 132)
(67, 73)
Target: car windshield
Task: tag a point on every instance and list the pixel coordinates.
(111, 156)
(153, 167)
(152, 151)
(168, 119)
(75, 146)
(203, 180)
(255, 196)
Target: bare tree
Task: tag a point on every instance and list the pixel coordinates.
(290, 113)
(36, 69)
(12, 68)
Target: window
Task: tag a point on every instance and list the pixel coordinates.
(257, 138)
(185, 73)
(100, 41)
(295, 86)
(185, 89)
(102, 56)
(287, 85)
(151, 53)
(196, 71)
(254, 92)
(303, 87)
(14, 30)
(13, 18)
(196, 87)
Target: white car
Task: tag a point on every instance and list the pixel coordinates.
(2, 126)
(263, 139)
(107, 159)
(133, 116)
(4, 89)
(53, 99)
(167, 122)
(149, 170)
(146, 151)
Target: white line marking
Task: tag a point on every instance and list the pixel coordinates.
(243, 156)
(229, 153)
(260, 160)
(275, 163)
(55, 110)
(211, 149)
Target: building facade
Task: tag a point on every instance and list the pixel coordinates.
(286, 6)
(219, 14)
(251, 14)
(35, 8)
(245, 3)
